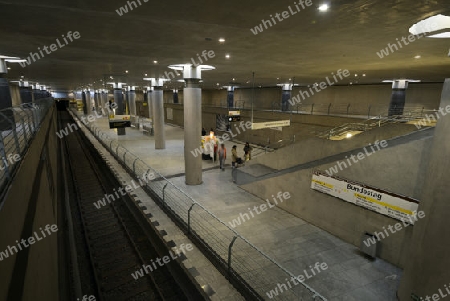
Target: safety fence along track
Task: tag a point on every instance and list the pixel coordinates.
(18, 126)
(251, 271)
(112, 239)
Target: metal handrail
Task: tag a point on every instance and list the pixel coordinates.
(18, 126)
(378, 121)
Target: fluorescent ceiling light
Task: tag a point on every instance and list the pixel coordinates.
(430, 25)
(323, 7)
(442, 35)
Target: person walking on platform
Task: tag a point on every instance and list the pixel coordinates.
(234, 156)
(248, 151)
(222, 156)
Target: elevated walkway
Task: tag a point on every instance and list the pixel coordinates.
(258, 172)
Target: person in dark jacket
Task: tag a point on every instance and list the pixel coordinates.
(248, 151)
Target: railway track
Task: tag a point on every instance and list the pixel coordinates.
(111, 242)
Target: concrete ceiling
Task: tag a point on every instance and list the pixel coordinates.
(308, 45)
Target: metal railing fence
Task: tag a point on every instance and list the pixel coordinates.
(409, 114)
(18, 126)
(242, 260)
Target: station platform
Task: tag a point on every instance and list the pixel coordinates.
(290, 241)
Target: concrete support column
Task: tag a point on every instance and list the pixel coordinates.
(175, 96)
(43, 92)
(150, 103)
(7, 119)
(132, 100)
(96, 102)
(230, 97)
(145, 96)
(157, 107)
(158, 121)
(36, 93)
(192, 127)
(285, 96)
(118, 99)
(398, 97)
(101, 99)
(106, 103)
(192, 104)
(427, 271)
(85, 103)
(88, 102)
(126, 103)
(26, 95)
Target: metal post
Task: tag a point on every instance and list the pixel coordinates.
(348, 106)
(134, 166)
(329, 106)
(125, 162)
(28, 121)
(253, 92)
(163, 191)
(24, 131)
(3, 154)
(229, 253)
(368, 113)
(14, 130)
(189, 218)
(312, 109)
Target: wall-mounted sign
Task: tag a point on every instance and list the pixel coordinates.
(383, 202)
(119, 121)
(234, 113)
(270, 124)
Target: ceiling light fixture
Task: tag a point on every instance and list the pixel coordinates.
(417, 57)
(222, 40)
(433, 27)
(227, 56)
(324, 7)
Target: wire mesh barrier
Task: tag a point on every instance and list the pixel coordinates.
(240, 259)
(337, 109)
(409, 114)
(18, 126)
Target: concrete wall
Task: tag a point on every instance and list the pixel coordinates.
(397, 169)
(15, 95)
(302, 126)
(316, 148)
(168, 96)
(264, 98)
(31, 203)
(360, 97)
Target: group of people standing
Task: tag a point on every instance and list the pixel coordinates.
(234, 156)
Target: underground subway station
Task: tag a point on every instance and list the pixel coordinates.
(291, 150)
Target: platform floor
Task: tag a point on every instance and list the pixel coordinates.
(292, 242)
